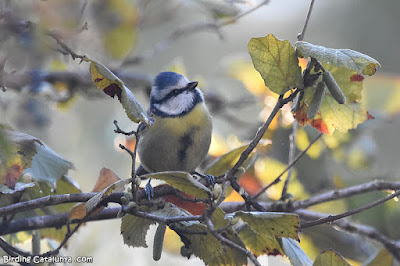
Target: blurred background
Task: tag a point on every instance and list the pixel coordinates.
(50, 96)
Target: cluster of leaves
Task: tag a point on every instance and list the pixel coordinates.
(29, 169)
(278, 64)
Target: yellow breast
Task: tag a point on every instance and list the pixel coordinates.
(176, 143)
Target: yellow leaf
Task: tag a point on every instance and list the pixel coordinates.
(277, 63)
(121, 38)
(267, 169)
(183, 181)
(120, 41)
(383, 257)
(111, 85)
(272, 224)
(258, 243)
(330, 258)
(303, 141)
(332, 115)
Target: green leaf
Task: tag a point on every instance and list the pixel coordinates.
(207, 247)
(277, 63)
(259, 244)
(134, 230)
(111, 85)
(96, 199)
(183, 181)
(271, 224)
(332, 115)
(350, 59)
(330, 257)
(47, 165)
(295, 253)
(226, 161)
(383, 257)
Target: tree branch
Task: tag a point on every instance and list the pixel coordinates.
(300, 37)
(363, 230)
(52, 200)
(253, 144)
(346, 192)
(331, 218)
(185, 31)
(278, 179)
(292, 150)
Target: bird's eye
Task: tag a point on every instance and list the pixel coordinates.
(175, 92)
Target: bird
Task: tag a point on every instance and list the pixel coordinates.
(180, 135)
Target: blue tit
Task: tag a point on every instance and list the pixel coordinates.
(180, 136)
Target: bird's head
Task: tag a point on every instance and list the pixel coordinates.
(174, 95)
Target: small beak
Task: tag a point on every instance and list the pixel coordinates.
(192, 85)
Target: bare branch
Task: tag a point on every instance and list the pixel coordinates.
(300, 37)
(278, 179)
(233, 20)
(66, 48)
(52, 200)
(363, 230)
(292, 150)
(346, 192)
(12, 251)
(245, 154)
(54, 221)
(331, 218)
(185, 31)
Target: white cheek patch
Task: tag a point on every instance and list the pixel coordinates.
(177, 105)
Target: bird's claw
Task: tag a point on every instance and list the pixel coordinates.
(149, 190)
(209, 179)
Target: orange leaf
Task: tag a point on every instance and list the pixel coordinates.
(195, 208)
(106, 178)
(12, 174)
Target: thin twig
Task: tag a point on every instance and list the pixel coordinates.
(363, 230)
(185, 31)
(120, 131)
(52, 200)
(346, 192)
(67, 237)
(300, 37)
(11, 250)
(133, 170)
(229, 243)
(332, 218)
(233, 20)
(260, 133)
(292, 150)
(66, 48)
(253, 144)
(278, 179)
(161, 219)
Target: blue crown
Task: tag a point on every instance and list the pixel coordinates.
(167, 79)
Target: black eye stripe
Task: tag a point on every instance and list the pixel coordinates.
(170, 95)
